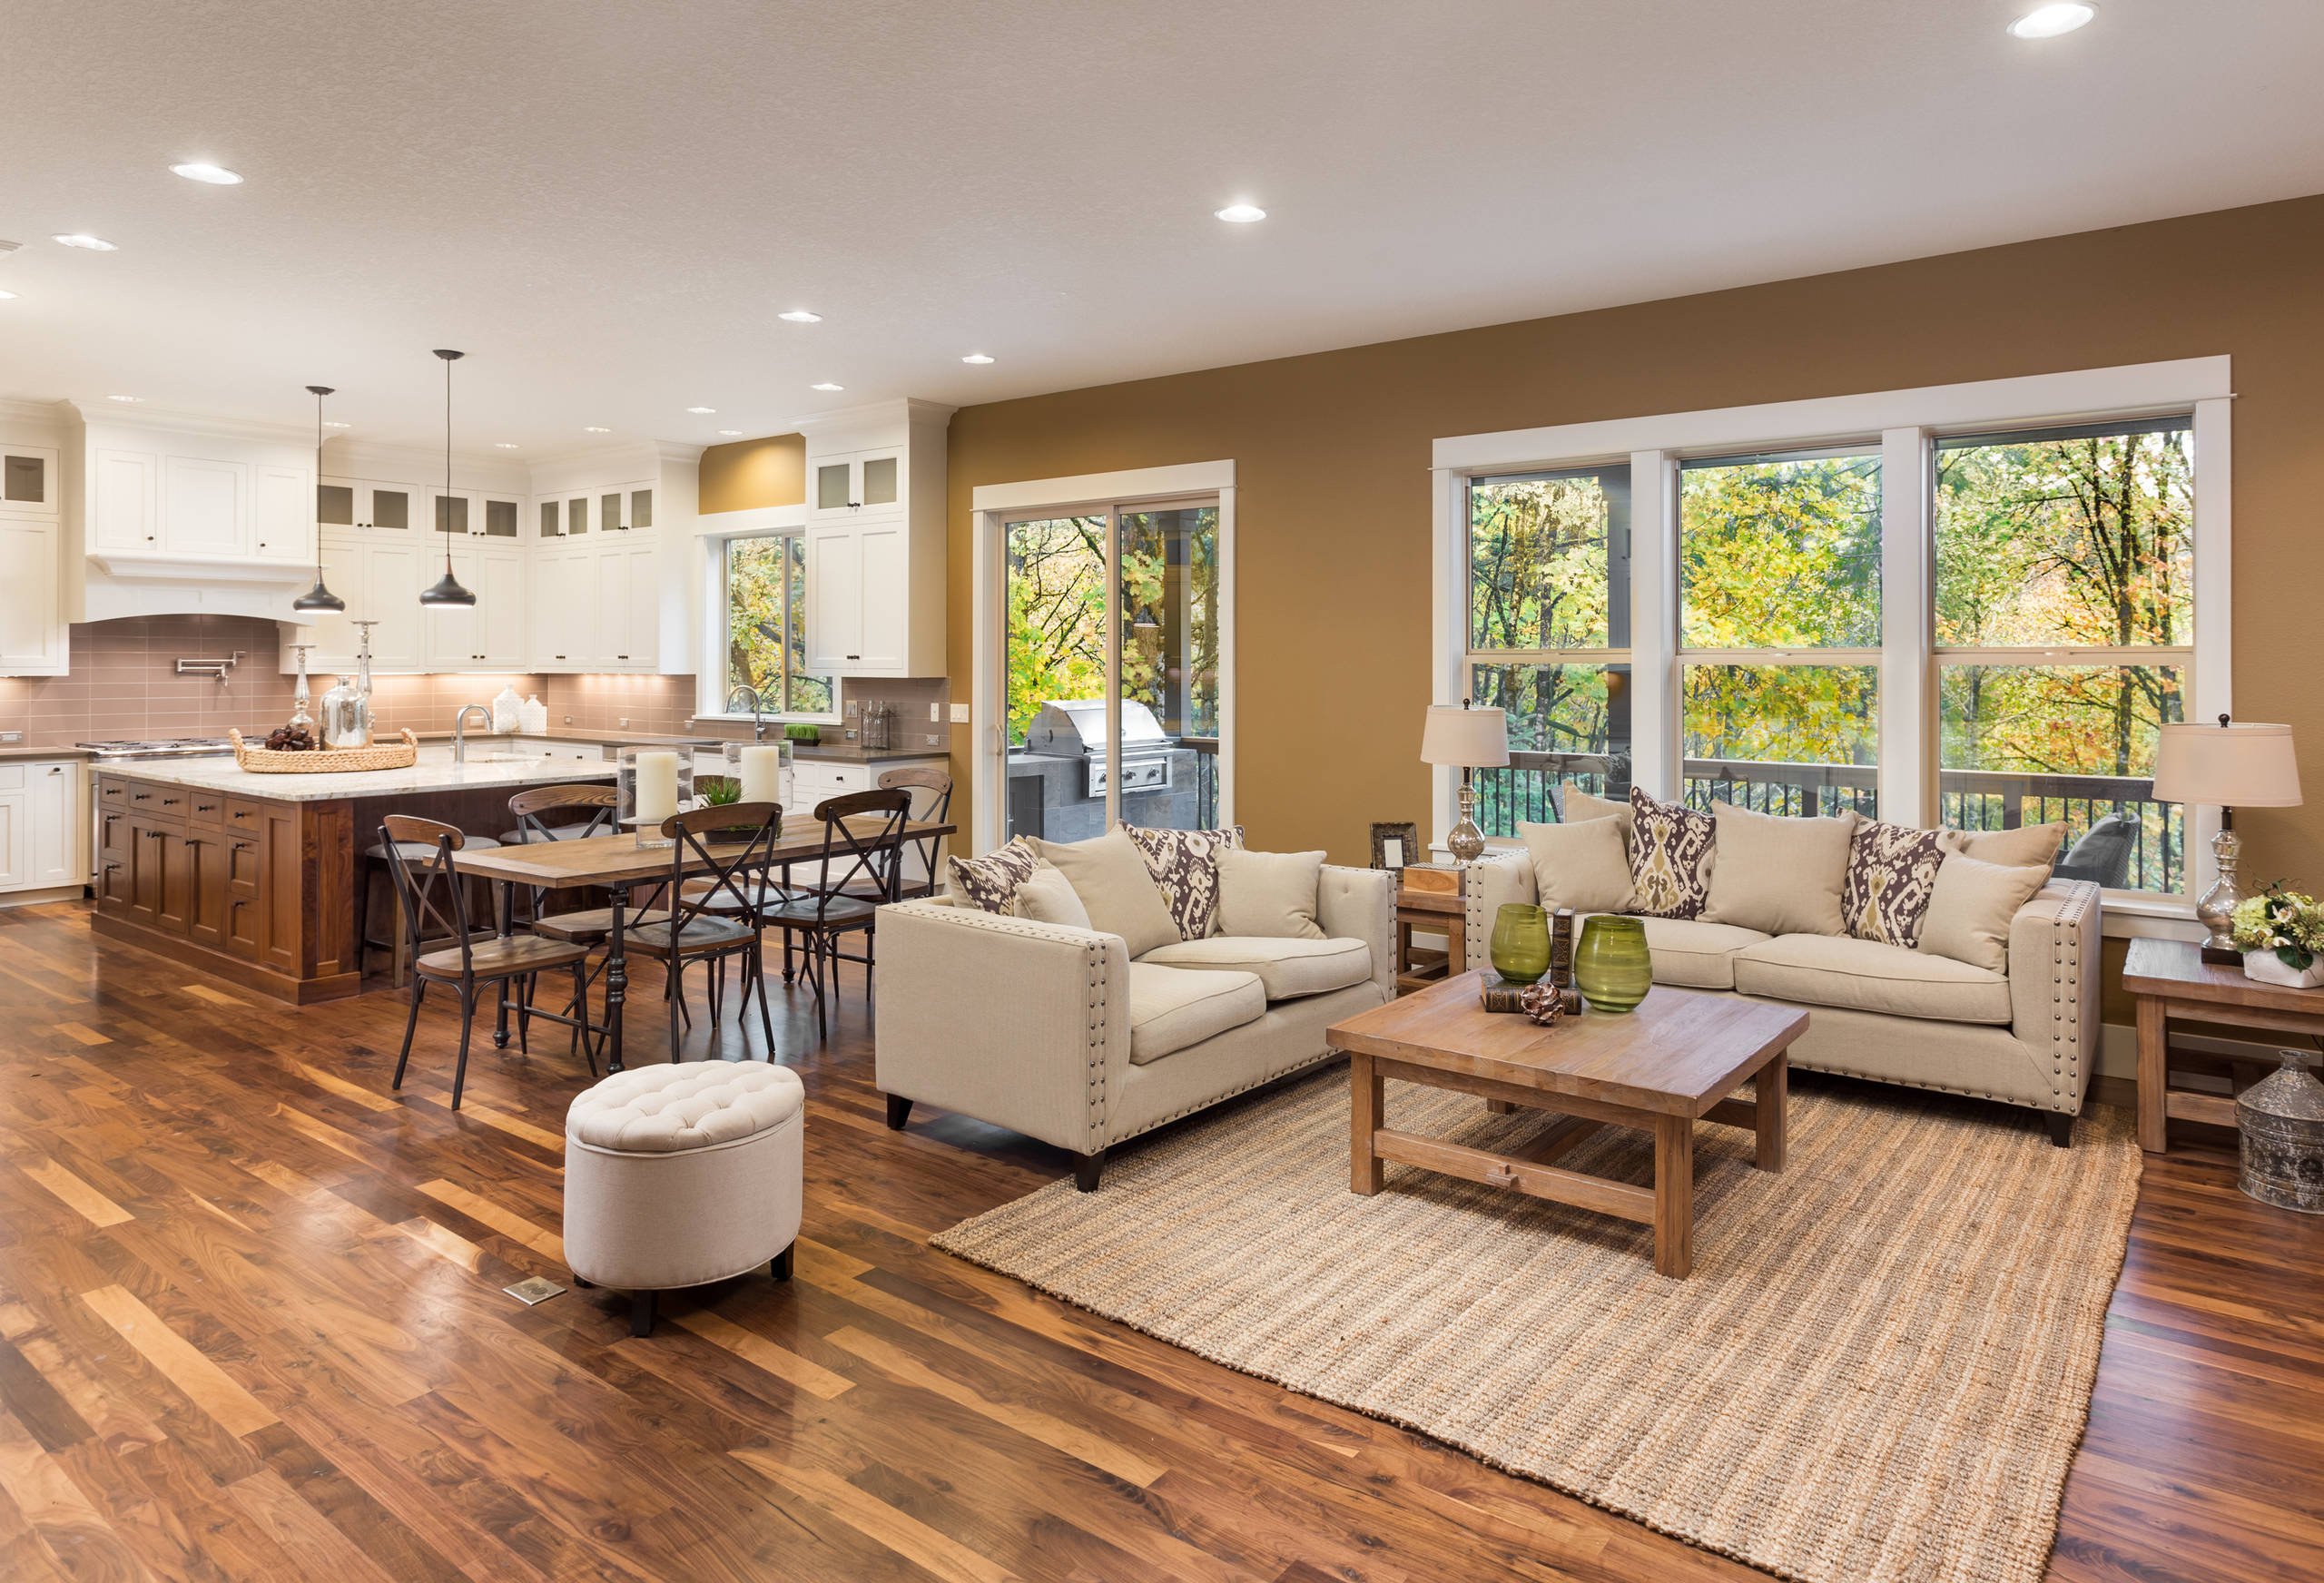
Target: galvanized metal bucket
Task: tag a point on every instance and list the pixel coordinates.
(2281, 1121)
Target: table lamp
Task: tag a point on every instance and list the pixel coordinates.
(2233, 764)
(1466, 739)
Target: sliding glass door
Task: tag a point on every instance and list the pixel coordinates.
(1111, 662)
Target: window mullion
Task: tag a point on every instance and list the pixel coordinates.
(1908, 746)
(1654, 624)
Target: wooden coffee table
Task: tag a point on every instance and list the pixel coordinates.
(1676, 1060)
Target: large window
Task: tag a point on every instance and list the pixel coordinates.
(766, 626)
(1942, 622)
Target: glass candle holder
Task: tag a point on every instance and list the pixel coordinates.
(651, 785)
(1521, 943)
(1611, 966)
(759, 768)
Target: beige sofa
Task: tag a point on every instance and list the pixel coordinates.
(1055, 1032)
(2026, 1037)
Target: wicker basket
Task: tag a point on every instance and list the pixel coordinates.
(400, 755)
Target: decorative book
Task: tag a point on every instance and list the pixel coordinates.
(1561, 948)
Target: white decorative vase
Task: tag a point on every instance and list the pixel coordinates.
(2267, 967)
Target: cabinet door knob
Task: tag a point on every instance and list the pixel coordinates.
(855, 656)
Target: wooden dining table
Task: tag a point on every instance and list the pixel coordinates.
(616, 863)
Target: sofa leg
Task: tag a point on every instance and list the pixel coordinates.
(1086, 1169)
(641, 1314)
(898, 1112)
(2061, 1130)
(780, 1266)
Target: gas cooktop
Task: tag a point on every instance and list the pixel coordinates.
(176, 747)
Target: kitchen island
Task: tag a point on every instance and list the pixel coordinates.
(260, 879)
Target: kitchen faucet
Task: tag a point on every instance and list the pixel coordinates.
(460, 730)
(758, 709)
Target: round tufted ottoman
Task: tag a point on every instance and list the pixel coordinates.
(678, 1175)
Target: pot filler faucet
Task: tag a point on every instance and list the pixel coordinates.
(460, 730)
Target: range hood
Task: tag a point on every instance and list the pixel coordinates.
(117, 586)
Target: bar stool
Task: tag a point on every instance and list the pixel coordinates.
(375, 869)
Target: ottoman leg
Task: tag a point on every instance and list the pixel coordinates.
(781, 1268)
(584, 1286)
(641, 1314)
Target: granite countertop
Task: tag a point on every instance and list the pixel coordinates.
(12, 754)
(848, 752)
(434, 772)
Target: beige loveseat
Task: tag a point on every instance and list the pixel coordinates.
(2026, 1037)
(1055, 1032)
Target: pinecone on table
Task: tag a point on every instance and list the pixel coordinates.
(291, 739)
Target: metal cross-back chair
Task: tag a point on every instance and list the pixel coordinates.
(939, 785)
(720, 918)
(594, 925)
(469, 963)
(826, 912)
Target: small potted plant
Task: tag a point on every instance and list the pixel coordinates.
(723, 792)
(2281, 935)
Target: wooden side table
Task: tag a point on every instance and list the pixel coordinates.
(2171, 980)
(1447, 915)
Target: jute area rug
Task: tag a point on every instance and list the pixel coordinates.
(1879, 1368)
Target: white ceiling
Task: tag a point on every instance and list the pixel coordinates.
(606, 204)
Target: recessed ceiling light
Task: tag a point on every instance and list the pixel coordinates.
(333, 423)
(702, 411)
(976, 358)
(124, 398)
(82, 239)
(2049, 21)
(826, 384)
(593, 429)
(216, 176)
(7, 295)
(502, 445)
(801, 316)
(1241, 213)
(730, 433)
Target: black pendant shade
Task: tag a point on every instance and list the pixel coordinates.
(319, 597)
(447, 591)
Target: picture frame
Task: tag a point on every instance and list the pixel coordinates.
(1401, 842)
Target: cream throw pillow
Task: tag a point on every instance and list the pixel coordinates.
(1116, 887)
(1585, 866)
(1047, 896)
(1970, 909)
(1779, 875)
(1581, 807)
(1269, 895)
(2016, 848)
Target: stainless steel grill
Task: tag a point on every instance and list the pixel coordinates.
(1068, 727)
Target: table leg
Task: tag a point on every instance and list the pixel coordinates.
(617, 979)
(1674, 1196)
(2155, 1077)
(1365, 1087)
(504, 908)
(1772, 1092)
(1456, 945)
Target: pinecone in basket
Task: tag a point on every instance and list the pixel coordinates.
(291, 739)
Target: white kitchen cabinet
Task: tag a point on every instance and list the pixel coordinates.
(856, 483)
(384, 508)
(32, 636)
(205, 507)
(628, 595)
(283, 529)
(122, 515)
(380, 579)
(28, 480)
(40, 800)
(875, 540)
(488, 635)
(565, 606)
(858, 601)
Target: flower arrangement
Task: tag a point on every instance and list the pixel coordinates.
(2282, 922)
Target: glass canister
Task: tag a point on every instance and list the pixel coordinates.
(1611, 966)
(1521, 943)
(345, 722)
(760, 770)
(651, 785)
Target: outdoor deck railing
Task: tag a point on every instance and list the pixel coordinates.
(1967, 798)
(1205, 779)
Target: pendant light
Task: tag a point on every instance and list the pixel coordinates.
(319, 597)
(447, 590)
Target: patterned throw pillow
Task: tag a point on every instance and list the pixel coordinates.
(1891, 875)
(1671, 848)
(991, 880)
(1185, 866)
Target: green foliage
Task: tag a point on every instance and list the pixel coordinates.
(1056, 614)
(717, 791)
(1780, 555)
(766, 638)
(1539, 558)
(800, 730)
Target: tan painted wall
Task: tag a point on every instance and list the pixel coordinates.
(1332, 453)
(750, 473)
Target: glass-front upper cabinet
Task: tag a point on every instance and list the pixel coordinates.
(451, 514)
(609, 513)
(360, 504)
(499, 519)
(576, 515)
(28, 480)
(641, 509)
(335, 504)
(863, 481)
(549, 527)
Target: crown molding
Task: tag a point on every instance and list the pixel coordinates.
(47, 414)
(908, 409)
(182, 420)
(344, 458)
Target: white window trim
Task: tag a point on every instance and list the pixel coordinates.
(991, 505)
(715, 530)
(1901, 423)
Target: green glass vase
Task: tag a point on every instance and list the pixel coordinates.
(1521, 943)
(1611, 966)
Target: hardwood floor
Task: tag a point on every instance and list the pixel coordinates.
(251, 1326)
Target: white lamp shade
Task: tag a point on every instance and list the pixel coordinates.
(2236, 765)
(1465, 738)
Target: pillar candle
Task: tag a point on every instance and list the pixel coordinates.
(762, 773)
(657, 787)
